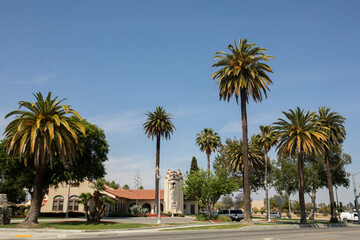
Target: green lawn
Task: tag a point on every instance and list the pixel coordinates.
(232, 226)
(84, 225)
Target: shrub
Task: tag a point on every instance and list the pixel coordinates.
(224, 218)
(175, 214)
(136, 210)
(255, 210)
(262, 210)
(203, 217)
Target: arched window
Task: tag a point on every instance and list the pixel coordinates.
(161, 207)
(147, 206)
(58, 203)
(74, 203)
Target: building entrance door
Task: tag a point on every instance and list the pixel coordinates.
(192, 209)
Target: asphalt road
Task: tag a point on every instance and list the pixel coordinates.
(303, 234)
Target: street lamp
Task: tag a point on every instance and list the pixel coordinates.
(356, 196)
(158, 177)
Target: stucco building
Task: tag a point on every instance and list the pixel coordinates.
(171, 197)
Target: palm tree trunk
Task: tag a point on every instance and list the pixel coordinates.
(333, 218)
(208, 175)
(266, 189)
(156, 173)
(37, 197)
(247, 203)
(313, 203)
(301, 187)
(208, 162)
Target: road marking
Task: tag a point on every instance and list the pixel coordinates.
(22, 236)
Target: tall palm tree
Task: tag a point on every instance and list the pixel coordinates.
(266, 138)
(334, 122)
(158, 125)
(208, 141)
(243, 73)
(298, 135)
(40, 133)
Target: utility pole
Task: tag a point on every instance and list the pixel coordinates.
(356, 196)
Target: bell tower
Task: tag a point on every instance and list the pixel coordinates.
(173, 195)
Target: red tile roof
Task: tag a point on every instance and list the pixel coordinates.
(134, 194)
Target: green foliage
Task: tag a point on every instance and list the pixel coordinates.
(285, 175)
(242, 68)
(194, 166)
(100, 202)
(158, 123)
(112, 184)
(262, 210)
(126, 187)
(227, 202)
(204, 217)
(255, 210)
(300, 133)
(230, 157)
(208, 187)
(43, 131)
(137, 210)
(90, 165)
(224, 218)
(208, 140)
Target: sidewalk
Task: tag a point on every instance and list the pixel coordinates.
(16, 233)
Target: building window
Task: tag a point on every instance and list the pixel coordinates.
(74, 203)
(58, 203)
(184, 206)
(75, 184)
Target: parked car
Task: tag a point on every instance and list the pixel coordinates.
(275, 215)
(347, 216)
(234, 214)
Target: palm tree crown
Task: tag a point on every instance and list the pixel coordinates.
(301, 133)
(158, 124)
(334, 123)
(43, 131)
(208, 140)
(266, 137)
(235, 155)
(244, 69)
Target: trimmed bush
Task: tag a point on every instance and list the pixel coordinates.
(203, 217)
(224, 218)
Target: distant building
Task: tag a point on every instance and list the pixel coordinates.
(172, 197)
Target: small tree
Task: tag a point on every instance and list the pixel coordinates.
(207, 187)
(239, 200)
(126, 187)
(101, 202)
(255, 210)
(227, 202)
(194, 166)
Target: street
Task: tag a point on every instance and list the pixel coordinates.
(304, 234)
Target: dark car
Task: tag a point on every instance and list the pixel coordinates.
(234, 214)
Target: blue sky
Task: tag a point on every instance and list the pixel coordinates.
(116, 60)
